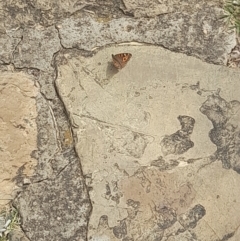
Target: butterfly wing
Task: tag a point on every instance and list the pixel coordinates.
(120, 60)
(116, 62)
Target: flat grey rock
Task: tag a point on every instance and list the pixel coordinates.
(153, 138)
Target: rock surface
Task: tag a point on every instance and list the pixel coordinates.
(147, 183)
(18, 132)
(149, 152)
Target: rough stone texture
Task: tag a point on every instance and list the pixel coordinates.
(63, 210)
(17, 235)
(45, 12)
(200, 33)
(8, 43)
(59, 202)
(153, 8)
(121, 119)
(37, 48)
(18, 132)
(148, 8)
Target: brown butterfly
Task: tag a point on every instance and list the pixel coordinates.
(120, 60)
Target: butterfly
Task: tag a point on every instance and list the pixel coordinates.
(120, 60)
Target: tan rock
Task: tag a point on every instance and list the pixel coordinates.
(18, 131)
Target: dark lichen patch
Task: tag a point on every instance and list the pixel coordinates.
(227, 236)
(179, 142)
(133, 204)
(103, 222)
(191, 217)
(226, 132)
(163, 164)
(120, 231)
(111, 192)
(166, 217)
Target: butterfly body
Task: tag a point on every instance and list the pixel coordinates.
(120, 60)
